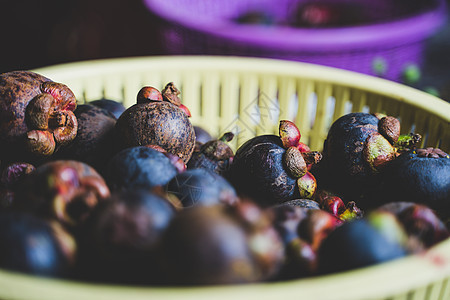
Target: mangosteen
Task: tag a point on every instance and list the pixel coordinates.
(302, 230)
(36, 246)
(214, 155)
(420, 176)
(65, 190)
(357, 244)
(36, 116)
(202, 135)
(10, 180)
(139, 167)
(422, 224)
(155, 120)
(210, 245)
(358, 146)
(272, 169)
(94, 141)
(116, 108)
(201, 187)
(121, 237)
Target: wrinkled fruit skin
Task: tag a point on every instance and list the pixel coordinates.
(32, 245)
(139, 167)
(424, 180)
(36, 116)
(94, 141)
(64, 190)
(258, 171)
(201, 187)
(156, 123)
(121, 237)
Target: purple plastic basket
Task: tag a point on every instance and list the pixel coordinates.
(207, 27)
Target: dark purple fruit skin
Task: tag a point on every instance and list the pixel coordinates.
(257, 171)
(423, 180)
(355, 244)
(121, 237)
(156, 123)
(343, 168)
(138, 167)
(212, 245)
(28, 244)
(94, 141)
(201, 187)
(114, 107)
(201, 135)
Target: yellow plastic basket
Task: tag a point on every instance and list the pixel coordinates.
(250, 95)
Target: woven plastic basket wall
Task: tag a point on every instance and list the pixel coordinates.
(225, 92)
(395, 39)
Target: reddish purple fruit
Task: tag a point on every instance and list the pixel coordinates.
(64, 190)
(36, 116)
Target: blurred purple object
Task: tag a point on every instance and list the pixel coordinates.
(384, 47)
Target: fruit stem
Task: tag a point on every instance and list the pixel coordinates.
(227, 137)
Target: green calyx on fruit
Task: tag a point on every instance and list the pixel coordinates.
(407, 142)
(378, 151)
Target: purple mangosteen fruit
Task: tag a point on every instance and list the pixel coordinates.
(422, 225)
(202, 136)
(201, 187)
(211, 245)
(11, 176)
(114, 107)
(357, 244)
(272, 169)
(121, 236)
(358, 146)
(94, 141)
(35, 246)
(36, 116)
(64, 190)
(139, 167)
(420, 176)
(157, 119)
(214, 155)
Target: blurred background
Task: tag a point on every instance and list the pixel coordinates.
(37, 33)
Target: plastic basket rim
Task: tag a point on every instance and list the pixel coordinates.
(403, 93)
(357, 38)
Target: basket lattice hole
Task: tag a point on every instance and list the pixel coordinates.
(312, 108)
(365, 109)
(293, 107)
(348, 107)
(331, 104)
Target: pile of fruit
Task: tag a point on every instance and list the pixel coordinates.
(102, 193)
